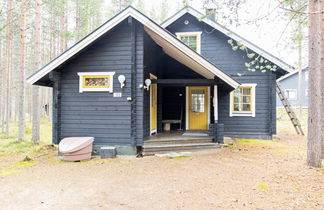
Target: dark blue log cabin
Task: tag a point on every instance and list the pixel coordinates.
(132, 78)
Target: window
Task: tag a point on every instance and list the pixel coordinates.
(192, 39)
(291, 94)
(242, 101)
(198, 100)
(96, 81)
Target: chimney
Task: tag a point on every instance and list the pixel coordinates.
(211, 14)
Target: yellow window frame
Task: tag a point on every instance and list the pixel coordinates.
(84, 77)
(242, 95)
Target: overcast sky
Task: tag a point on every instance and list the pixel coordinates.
(268, 33)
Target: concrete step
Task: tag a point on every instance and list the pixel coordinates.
(179, 141)
(165, 148)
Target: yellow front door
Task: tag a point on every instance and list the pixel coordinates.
(198, 108)
(153, 110)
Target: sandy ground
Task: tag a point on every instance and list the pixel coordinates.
(245, 176)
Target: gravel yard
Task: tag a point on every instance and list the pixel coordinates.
(247, 175)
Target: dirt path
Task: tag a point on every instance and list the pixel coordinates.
(248, 175)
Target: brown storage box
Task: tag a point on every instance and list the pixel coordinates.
(76, 148)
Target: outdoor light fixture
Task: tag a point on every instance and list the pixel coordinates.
(147, 83)
(121, 79)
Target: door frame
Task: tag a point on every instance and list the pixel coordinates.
(187, 105)
(152, 76)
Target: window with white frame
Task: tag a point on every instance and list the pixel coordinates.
(291, 94)
(96, 81)
(242, 101)
(192, 39)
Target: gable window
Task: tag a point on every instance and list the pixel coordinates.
(96, 81)
(242, 101)
(192, 39)
(291, 94)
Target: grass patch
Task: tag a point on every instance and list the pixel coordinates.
(262, 186)
(286, 152)
(257, 142)
(9, 171)
(27, 162)
(9, 145)
(284, 124)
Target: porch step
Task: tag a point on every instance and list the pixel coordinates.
(165, 148)
(196, 140)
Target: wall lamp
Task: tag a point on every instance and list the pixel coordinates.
(147, 84)
(121, 79)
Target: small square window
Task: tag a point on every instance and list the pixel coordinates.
(192, 39)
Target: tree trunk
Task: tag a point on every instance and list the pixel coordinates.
(8, 67)
(316, 89)
(35, 94)
(21, 72)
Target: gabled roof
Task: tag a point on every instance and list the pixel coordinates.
(290, 74)
(229, 33)
(170, 44)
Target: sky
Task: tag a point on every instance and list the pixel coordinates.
(272, 33)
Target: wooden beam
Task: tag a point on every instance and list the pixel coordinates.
(184, 82)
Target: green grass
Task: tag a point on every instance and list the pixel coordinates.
(10, 145)
(256, 142)
(284, 124)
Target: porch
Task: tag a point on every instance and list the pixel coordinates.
(183, 97)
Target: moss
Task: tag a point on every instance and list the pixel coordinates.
(257, 142)
(262, 186)
(9, 171)
(180, 157)
(27, 163)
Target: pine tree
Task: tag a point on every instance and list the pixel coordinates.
(21, 72)
(35, 89)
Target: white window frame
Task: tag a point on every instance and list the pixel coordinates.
(111, 78)
(243, 114)
(295, 98)
(195, 33)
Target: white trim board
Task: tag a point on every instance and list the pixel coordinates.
(230, 34)
(290, 74)
(161, 36)
(215, 103)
